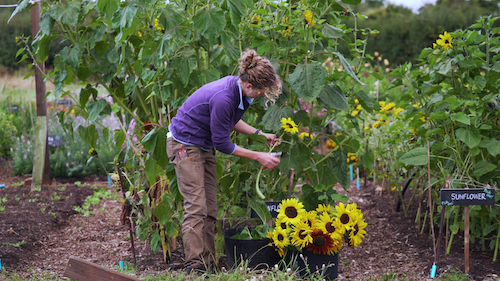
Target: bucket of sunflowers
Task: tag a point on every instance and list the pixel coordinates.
(310, 240)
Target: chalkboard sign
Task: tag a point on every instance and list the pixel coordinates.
(272, 206)
(15, 107)
(465, 197)
(54, 140)
(64, 102)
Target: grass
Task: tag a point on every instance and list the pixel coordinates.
(235, 274)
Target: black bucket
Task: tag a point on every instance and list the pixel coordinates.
(257, 252)
(315, 264)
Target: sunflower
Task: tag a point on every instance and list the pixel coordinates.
(310, 219)
(308, 16)
(354, 209)
(289, 125)
(291, 211)
(304, 135)
(301, 235)
(445, 41)
(280, 240)
(357, 233)
(324, 208)
(322, 243)
(345, 216)
(331, 226)
(330, 144)
(280, 223)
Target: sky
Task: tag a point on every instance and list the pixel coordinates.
(412, 4)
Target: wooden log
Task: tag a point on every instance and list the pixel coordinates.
(82, 270)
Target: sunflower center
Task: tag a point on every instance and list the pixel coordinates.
(289, 125)
(291, 212)
(330, 227)
(356, 230)
(302, 234)
(344, 218)
(446, 41)
(319, 241)
(283, 225)
(309, 222)
(281, 237)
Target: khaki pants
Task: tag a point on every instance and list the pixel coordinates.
(196, 180)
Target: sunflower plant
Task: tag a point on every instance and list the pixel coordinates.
(323, 230)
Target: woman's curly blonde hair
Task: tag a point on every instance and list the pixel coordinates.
(259, 72)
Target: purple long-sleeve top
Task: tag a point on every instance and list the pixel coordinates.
(207, 116)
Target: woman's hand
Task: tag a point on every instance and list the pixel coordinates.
(267, 160)
(271, 139)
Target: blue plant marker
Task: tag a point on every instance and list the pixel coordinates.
(109, 181)
(0, 264)
(122, 266)
(357, 178)
(2, 185)
(433, 271)
(350, 168)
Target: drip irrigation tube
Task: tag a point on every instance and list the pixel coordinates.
(407, 184)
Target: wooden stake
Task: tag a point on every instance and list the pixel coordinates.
(41, 164)
(443, 213)
(466, 238)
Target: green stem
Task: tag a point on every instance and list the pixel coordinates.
(496, 244)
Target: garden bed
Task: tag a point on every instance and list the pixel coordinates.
(392, 245)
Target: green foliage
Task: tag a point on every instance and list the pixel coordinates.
(94, 199)
(71, 158)
(403, 34)
(452, 107)
(149, 56)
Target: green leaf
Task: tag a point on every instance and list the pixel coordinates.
(471, 137)
(163, 210)
(365, 101)
(156, 142)
(66, 15)
(260, 208)
(483, 168)
(461, 117)
(155, 241)
(151, 170)
(124, 17)
(170, 18)
(308, 80)
(331, 31)
(339, 197)
(480, 81)
(85, 94)
(88, 134)
(334, 97)
(236, 11)
(119, 137)
(46, 24)
(415, 157)
(20, 6)
(108, 7)
(347, 67)
(340, 168)
(493, 147)
(41, 46)
(272, 118)
(184, 66)
(210, 23)
(95, 108)
(351, 2)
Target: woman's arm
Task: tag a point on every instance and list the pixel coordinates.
(244, 128)
(266, 159)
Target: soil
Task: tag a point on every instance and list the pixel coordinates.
(40, 231)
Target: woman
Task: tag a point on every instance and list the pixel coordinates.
(202, 124)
